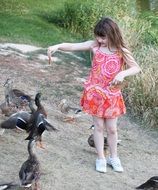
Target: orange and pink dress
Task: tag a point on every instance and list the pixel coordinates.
(99, 98)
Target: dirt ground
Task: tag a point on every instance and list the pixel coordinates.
(67, 161)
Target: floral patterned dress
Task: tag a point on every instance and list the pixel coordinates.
(99, 98)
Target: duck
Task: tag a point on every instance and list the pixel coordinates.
(40, 107)
(92, 144)
(38, 126)
(18, 120)
(30, 171)
(70, 112)
(34, 122)
(151, 184)
(7, 109)
(21, 119)
(38, 123)
(16, 96)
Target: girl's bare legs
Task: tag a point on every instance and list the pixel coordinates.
(99, 144)
(99, 136)
(112, 136)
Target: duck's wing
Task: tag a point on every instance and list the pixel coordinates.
(21, 94)
(36, 133)
(39, 126)
(35, 125)
(25, 175)
(75, 110)
(24, 115)
(4, 186)
(91, 140)
(48, 125)
(41, 120)
(65, 108)
(29, 171)
(10, 123)
(151, 183)
(23, 118)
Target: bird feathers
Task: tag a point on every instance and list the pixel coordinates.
(152, 183)
(30, 169)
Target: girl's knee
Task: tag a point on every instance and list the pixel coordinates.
(99, 124)
(111, 126)
(111, 130)
(99, 128)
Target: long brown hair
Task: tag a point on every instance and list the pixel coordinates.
(106, 27)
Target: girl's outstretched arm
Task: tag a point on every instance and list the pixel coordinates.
(83, 46)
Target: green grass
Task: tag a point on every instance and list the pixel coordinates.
(29, 7)
(23, 22)
(31, 30)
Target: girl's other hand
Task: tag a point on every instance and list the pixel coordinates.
(118, 79)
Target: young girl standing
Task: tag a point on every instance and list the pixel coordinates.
(102, 96)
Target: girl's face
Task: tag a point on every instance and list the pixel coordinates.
(103, 41)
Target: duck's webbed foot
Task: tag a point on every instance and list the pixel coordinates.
(69, 119)
(40, 144)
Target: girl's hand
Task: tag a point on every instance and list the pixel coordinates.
(51, 49)
(118, 79)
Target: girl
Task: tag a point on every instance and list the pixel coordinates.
(102, 96)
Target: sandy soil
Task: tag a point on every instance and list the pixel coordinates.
(68, 162)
